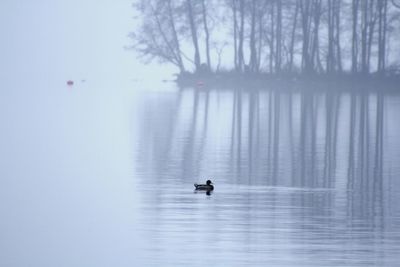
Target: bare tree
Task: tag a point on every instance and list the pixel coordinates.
(354, 40)
(382, 17)
(193, 33)
(305, 10)
(234, 4)
(278, 54)
(277, 35)
(156, 39)
(206, 31)
(293, 36)
(252, 43)
(241, 35)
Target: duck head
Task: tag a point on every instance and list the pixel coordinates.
(209, 182)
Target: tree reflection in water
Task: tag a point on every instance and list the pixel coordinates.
(301, 139)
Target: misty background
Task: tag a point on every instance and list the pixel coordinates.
(59, 40)
(275, 37)
(101, 173)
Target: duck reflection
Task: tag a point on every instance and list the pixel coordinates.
(207, 192)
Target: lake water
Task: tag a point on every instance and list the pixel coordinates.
(102, 175)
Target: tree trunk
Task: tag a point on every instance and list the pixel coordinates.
(337, 38)
(278, 53)
(175, 36)
(330, 57)
(272, 40)
(260, 35)
(315, 59)
(382, 8)
(370, 30)
(364, 28)
(253, 51)
(193, 32)
(305, 23)
(207, 33)
(292, 40)
(354, 39)
(234, 11)
(241, 36)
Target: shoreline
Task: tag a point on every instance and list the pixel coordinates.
(336, 82)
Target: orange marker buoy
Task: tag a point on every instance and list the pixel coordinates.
(70, 83)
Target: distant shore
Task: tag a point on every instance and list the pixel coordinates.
(340, 82)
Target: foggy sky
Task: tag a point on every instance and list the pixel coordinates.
(60, 40)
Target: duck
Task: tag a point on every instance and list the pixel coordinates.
(207, 187)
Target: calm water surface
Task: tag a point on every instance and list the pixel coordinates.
(98, 176)
(302, 179)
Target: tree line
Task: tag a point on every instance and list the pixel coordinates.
(270, 36)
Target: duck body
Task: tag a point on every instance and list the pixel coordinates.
(206, 187)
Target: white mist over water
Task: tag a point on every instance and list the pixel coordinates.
(66, 195)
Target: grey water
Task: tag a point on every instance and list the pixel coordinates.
(103, 176)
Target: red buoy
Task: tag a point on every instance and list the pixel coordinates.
(70, 83)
